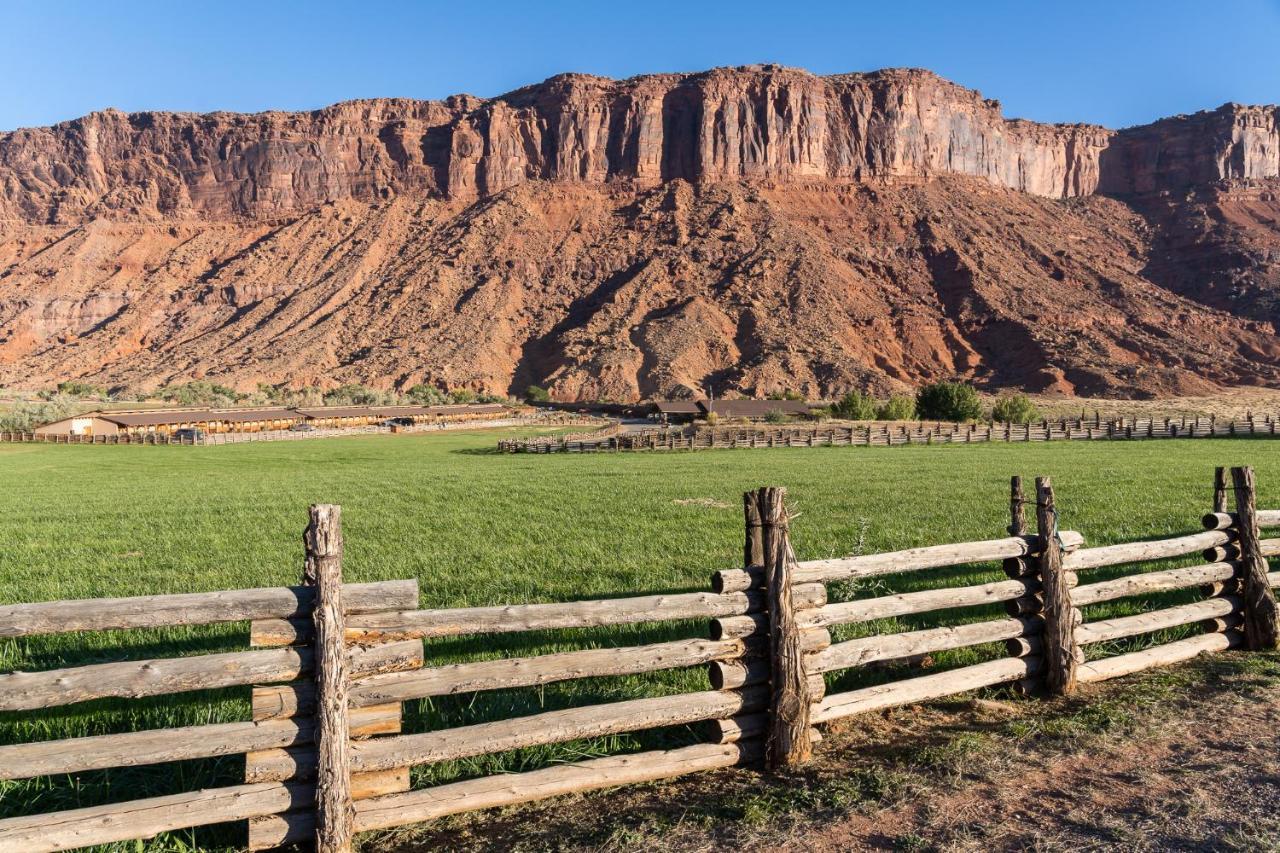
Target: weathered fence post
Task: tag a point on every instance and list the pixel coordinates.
(1261, 621)
(1060, 650)
(1017, 519)
(335, 814)
(1020, 567)
(1220, 489)
(788, 743)
(753, 539)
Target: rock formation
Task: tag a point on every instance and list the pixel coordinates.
(752, 228)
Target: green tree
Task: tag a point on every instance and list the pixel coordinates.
(462, 395)
(1014, 409)
(948, 401)
(355, 394)
(426, 395)
(199, 393)
(537, 394)
(854, 406)
(25, 416)
(898, 407)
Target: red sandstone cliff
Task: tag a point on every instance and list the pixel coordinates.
(753, 228)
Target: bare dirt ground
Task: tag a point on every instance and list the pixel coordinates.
(1178, 759)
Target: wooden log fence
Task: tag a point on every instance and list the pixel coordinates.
(754, 436)
(326, 755)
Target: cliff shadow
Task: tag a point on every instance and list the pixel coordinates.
(1008, 352)
(681, 115)
(541, 355)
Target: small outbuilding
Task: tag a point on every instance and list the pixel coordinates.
(90, 423)
(686, 411)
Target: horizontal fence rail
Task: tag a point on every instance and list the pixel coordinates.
(198, 608)
(326, 753)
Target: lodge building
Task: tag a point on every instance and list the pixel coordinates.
(166, 421)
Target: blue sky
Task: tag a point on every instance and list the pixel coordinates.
(1115, 63)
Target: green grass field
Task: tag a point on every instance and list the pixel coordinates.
(477, 528)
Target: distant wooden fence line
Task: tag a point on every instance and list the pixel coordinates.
(219, 438)
(887, 435)
(333, 663)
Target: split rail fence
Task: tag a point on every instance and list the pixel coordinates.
(892, 435)
(334, 663)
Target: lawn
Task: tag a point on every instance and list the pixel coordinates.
(478, 528)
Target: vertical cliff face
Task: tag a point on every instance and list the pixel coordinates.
(1233, 142)
(765, 123)
(754, 123)
(223, 165)
(749, 228)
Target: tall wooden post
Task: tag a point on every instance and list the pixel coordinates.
(1018, 567)
(335, 814)
(1059, 642)
(753, 541)
(1017, 518)
(1220, 489)
(789, 743)
(1261, 621)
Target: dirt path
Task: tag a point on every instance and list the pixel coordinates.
(1179, 759)
(1191, 785)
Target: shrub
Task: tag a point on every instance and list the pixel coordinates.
(854, 406)
(537, 394)
(1014, 409)
(426, 395)
(775, 416)
(712, 419)
(199, 393)
(80, 390)
(948, 401)
(462, 395)
(355, 394)
(899, 407)
(26, 416)
(786, 394)
(271, 393)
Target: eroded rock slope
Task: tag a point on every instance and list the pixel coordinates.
(746, 229)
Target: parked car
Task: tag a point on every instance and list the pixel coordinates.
(190, 434)
(397, 422)
(302, 428)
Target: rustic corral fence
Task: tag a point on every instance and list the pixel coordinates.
(325, 756)
(889, 435)
(210, 439)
